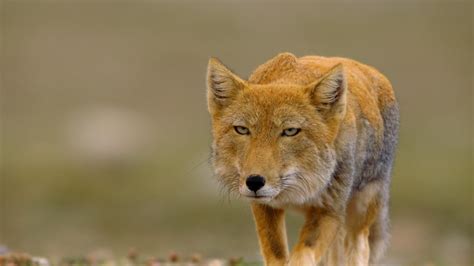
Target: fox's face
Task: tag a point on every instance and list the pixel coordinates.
(274, 143)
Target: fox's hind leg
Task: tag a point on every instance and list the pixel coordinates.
(379, 231)
(362, 213)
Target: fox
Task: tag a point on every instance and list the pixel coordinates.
(313, 134)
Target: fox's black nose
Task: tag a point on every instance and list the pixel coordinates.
(255, 182)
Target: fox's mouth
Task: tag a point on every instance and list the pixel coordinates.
(262, 196)
(257, 197)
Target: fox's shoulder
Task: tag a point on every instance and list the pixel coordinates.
(283, 68)
(287, 68)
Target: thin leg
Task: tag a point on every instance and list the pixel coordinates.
(317, 235)
(271, 232)
(362, 211)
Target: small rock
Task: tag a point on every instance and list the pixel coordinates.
(196, 258)
(40, 261)
(173, 257)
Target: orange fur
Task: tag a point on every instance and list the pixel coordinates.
(270, 225)
(328, 169)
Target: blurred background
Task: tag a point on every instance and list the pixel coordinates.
(105, 134)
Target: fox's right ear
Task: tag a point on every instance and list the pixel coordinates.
(329, 93)
(222, 85)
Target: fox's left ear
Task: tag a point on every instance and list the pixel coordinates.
(222, 85)
(328, 94)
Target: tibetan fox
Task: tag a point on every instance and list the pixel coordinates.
(315, 134)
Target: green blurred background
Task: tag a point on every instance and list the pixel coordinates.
(105, 132)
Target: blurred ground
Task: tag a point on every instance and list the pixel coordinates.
(105, 133)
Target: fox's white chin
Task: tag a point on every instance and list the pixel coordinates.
(263, 200)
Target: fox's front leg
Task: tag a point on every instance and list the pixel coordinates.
(271, 230)
(316, 236)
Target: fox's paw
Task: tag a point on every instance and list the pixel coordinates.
(304, 256)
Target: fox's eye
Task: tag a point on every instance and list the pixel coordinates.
(242, 130)
(290, 132)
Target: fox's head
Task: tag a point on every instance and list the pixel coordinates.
(274, 143)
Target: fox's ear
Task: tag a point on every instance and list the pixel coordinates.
(328, 94)
(222, 85)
